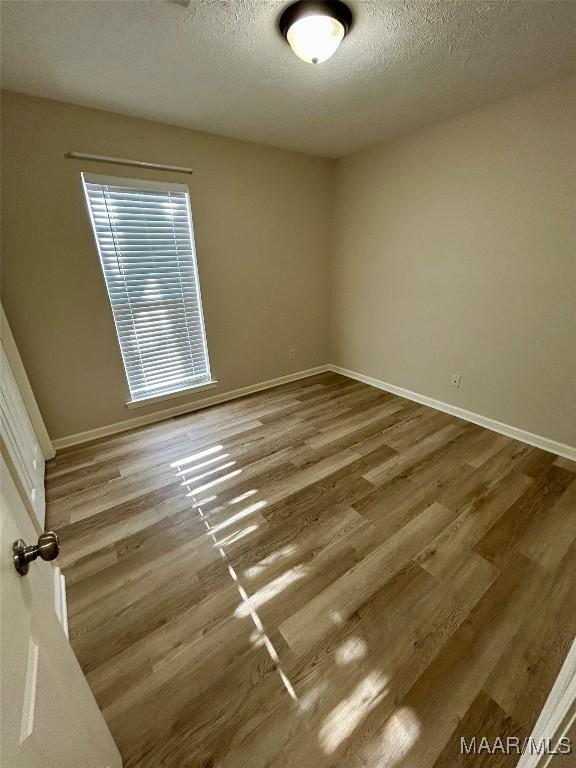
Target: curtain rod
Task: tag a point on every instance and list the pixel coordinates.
(124, 161)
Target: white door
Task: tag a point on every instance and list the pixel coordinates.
(48, 716)
(21, 441)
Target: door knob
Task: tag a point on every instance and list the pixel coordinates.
(48, 548)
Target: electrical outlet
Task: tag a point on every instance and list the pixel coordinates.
(292, 354)
(456, 379)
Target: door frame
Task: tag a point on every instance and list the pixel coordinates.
(558, 717)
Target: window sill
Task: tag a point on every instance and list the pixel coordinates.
(171, 395)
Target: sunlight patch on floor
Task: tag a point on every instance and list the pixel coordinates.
(271, 590)
(309, 700)
(238, 516)
(351, 650)
(188, 481)
(201, 488)
(202, 464)
(398, 736)
(260, 638)
(195, 456)
(236, 536)
(266, 562)
(243, 496)
(207, 500)
(349, 713)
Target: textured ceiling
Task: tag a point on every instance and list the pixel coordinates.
(222, 67)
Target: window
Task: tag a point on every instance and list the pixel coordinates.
(146, 244)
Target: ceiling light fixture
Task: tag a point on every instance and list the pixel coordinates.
(314, 30)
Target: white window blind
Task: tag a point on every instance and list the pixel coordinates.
(146, 244)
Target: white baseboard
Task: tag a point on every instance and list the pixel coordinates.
(151, 418)
(561, 449)
(568, 451)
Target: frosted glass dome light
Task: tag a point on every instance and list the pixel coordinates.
(314, 30)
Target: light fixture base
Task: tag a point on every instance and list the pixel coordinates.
(335, 8)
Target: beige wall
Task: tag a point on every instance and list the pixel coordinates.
(262, 226)
(455, 252)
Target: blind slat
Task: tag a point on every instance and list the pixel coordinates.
(146, 249)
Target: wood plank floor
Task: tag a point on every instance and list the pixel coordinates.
(318, 575)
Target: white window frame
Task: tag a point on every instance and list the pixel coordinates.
(92, 178)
